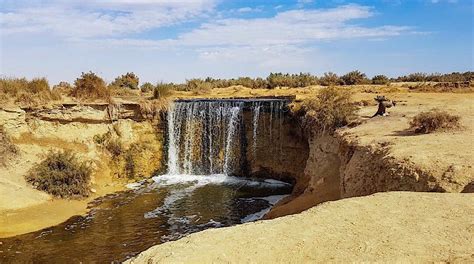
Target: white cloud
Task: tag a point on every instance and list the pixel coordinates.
(286, 41)
(82, 19)
(285, 38)
(295, 27)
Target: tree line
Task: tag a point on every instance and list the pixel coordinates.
(91, 85)
(274, 80)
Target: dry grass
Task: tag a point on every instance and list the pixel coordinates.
(61, 174)
(154, 109)
(7, 148)
(442, 87)
(123, 92)
(90, 87)
(435, 120)
(110, 143)
(127, 162)
(27, 93)
(332, 108)
(162, 90)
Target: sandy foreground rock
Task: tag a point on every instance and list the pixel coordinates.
(384, 227)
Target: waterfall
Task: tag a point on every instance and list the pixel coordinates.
(210, 136)
(256, 118)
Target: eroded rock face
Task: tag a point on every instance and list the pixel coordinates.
(339, 168)
(281, 151)
(36, 131)
(13, 120)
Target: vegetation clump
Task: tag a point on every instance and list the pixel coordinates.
(128, 81)
(163, 90)
(7, 148)
(354, 77)
(128, 162)
(329, 79)
(110, 143)
(61, 174)
(381, 80)
(24, 92)
(147, 87)
(90, 86)
(331, 109)
(434, 120)
(198, 86)
(291, 80)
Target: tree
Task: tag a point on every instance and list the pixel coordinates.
(147, 87)
(332, 108)
(128, 80)
(329, 79)
(90, 85)
(380, 79)
(354, 77)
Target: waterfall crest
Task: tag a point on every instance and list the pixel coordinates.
(209, 136)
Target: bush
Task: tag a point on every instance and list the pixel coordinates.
(380, 79)
(291, 80)
(198, 86)
(61, 174)
(90, 86)
(147, 87)
(102, 139)
(331, 109)
(163, 90)
(128, 80)
(354, 77)
(329, 79)
(114, 147)
(414, 77)
(153, 110)
(434, 120)
(7, 148)
(25, 92)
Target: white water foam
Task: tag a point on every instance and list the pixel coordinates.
(135, 185)
(273, 199)
(197, 181)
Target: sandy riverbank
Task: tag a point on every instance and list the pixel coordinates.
(385, 227)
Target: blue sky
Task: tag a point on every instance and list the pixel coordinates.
(162, 40)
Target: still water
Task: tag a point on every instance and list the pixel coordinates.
(121, 225)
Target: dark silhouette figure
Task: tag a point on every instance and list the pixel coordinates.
(384, 103)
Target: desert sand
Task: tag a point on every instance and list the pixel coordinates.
(396, 227)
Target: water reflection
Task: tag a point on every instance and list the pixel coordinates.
(122, 225)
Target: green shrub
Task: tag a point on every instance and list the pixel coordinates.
(354, 77)
(163, 90)
(291, 80)
(434, 120)
(61, 174)
(90, 86)
(7, 148)
(329, 79)
(331, 109)
(380, 79)
(128, 80)
(198, 86)
(147, 87)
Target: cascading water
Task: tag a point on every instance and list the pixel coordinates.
(209, 137)
(209, 141)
